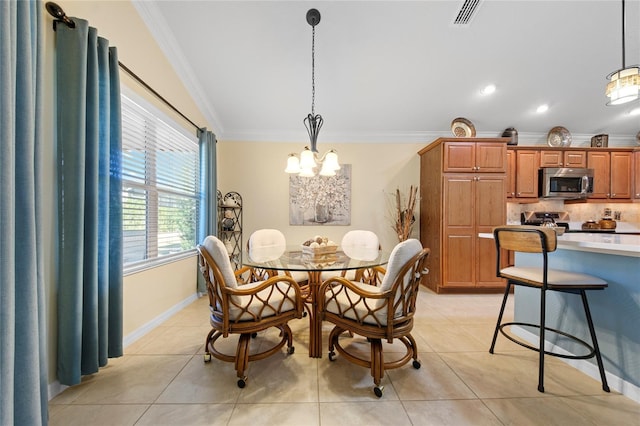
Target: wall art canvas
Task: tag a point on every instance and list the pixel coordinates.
(321, 200)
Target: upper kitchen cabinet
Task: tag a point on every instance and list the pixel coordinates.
(613, 171)
(522, 175)
(636, 174)
(471, 156)
(563, 158)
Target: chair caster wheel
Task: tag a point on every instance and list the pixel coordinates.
(291, 350)
(378, 391)
(332, 356)
(416, 364)
(207, 357)
(242, 382)
(304, 314)
(254, 335)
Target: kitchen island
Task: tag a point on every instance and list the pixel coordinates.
(616, 310)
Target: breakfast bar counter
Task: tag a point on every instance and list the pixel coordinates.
(616, 309)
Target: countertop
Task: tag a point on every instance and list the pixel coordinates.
(616, 244)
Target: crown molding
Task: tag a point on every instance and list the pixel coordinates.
(159, 29)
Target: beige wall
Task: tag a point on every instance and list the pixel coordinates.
(256, 171)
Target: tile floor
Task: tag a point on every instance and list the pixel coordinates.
(162, 380)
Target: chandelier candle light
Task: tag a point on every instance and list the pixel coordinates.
(624, 84)
(309, 160)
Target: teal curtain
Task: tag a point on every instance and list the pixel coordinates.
(208, 190)
(23, 352)
(89, 138)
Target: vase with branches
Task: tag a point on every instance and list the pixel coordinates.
(402, 217)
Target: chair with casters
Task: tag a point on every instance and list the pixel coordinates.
(377, 312)
(271, 243)
(534, 239)
(363, 245)
(245, 309)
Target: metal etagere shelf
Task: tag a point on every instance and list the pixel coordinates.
(230, 225)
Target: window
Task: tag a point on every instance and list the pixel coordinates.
(160, 199)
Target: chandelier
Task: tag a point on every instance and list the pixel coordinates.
(624, 84)
(309, 160)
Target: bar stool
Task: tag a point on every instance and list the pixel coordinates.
(533, 239)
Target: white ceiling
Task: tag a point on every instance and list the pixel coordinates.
(399, 71)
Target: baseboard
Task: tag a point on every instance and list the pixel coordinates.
(616, 383)
(146, 328)
(56, 387)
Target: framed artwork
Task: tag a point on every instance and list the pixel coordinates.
(321, 200)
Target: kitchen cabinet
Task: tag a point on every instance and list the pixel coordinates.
(563, 158)
(522, 175)
(472, 156)
(636, 174)
(526, 177)
(612, 174)
(456, 206)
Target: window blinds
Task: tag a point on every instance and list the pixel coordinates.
(159, 185)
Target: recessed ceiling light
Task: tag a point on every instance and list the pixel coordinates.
(542, 108)
(635, 111)
(488, 89)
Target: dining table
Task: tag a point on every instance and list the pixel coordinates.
(295, 258)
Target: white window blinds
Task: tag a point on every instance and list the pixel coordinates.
(159, 185)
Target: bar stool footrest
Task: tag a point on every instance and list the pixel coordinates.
(591, 354)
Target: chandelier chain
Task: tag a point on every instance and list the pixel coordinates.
(313, 70)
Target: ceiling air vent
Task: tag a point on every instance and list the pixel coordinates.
(466, 12)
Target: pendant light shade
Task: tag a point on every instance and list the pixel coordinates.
(624, 84)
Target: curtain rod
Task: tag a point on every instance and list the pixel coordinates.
(59, 15)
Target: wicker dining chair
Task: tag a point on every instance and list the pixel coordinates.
(274, 242)
(360, 244)
(245, 309)
(377, 312)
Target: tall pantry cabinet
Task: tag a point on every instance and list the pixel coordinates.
(462, 193)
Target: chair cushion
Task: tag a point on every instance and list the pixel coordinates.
(400, 255)
(265, 303)
(555, 277)
(219, 253)
(370, 311)
(360, 244)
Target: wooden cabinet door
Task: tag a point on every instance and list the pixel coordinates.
(599, 161)
(559, 158)
(549, 158)
(527, 174)
(491, 157)
(459, 156)
(458, 244)
(490, 211)
(511, 174)
(636, 173)
(575, 159)
(621, 169)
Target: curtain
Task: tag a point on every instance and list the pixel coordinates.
(23, 353)
(89, 139)
(208, 190)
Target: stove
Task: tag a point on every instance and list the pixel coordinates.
(539, 218)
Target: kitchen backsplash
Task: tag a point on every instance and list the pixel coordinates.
(629, 212)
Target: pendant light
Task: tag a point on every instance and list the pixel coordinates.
(624, 84)
(308, 161)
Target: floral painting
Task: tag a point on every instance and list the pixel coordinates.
(321, 200)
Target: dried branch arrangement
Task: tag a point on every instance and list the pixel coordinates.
(404, 218)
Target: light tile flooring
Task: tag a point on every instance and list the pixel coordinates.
(162, 380)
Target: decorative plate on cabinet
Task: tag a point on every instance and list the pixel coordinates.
(559, 137)
(463, 128)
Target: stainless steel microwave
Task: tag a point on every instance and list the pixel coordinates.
(565, 183)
